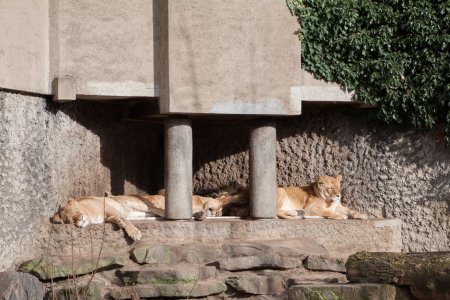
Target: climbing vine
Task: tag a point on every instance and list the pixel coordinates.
(394, 54)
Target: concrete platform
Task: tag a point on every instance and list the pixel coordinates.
(340, 237)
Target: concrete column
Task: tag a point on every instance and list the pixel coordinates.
(178, 169)
(263, 170)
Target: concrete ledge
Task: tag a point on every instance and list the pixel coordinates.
(341, 237)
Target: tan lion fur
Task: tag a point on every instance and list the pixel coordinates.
(119, 209)
(321, 198)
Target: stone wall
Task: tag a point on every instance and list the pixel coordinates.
(388, 171)
(51, 152)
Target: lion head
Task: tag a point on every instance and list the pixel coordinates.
(328, 187)
(213, 208)
(71, 214)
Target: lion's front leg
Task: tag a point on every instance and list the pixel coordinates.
(353, 214)
(131, 230)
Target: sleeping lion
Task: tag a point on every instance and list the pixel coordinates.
(119, 209)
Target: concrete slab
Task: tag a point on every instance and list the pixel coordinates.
(340, 237)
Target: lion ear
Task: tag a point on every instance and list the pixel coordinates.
(57, 219)
(339, 177)
(71, 201)
(319, 180)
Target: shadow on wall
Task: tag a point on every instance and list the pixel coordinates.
(97, 151)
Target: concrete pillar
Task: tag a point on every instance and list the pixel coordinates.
(178, 169)
(263, 170)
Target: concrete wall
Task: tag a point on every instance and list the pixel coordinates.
(107, 46)
(24, 45)
(388, 171)
(50, 152)
(229, 57)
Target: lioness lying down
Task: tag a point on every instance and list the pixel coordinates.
(321, 198)
(119, 209)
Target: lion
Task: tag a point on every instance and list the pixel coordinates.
(113, 209)
(321, 198)
(119, 209)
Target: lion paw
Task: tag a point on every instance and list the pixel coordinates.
(292, 213)
(134, 233)
(301, 213)
(360, 216)
(340, 217)
(199, 216)
(82, 221)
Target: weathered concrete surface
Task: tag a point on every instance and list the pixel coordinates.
(51, 152)
(108, 47)
(20, 286)
(388, 171)
(178, 169)
(263, 170)
(221, 57)
(340, 237)
(24, 45)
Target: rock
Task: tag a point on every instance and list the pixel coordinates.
(94, 291)
(257, 285)
(298, 247)
(169, 290)
(342, 292)
(259, 262)
(20, 286)
(155, 275)
(46, 269)
(323, 263)
(427, 274)
(174, 254)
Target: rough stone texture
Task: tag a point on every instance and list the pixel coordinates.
(174, 254)
(176, 274)
(259, 262)
(338, 238)
(20, 286)
(343, 292)
(94, 291)
(47, 268)
(51, 152)
(257, 285)
(427, 274)
(389, 171)
(323, 263)
(170, 290)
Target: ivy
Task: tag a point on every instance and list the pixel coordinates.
(394, 54)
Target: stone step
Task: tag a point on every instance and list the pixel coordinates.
(169, 290)
(347, 291)
(176, 274)
(340, 237)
